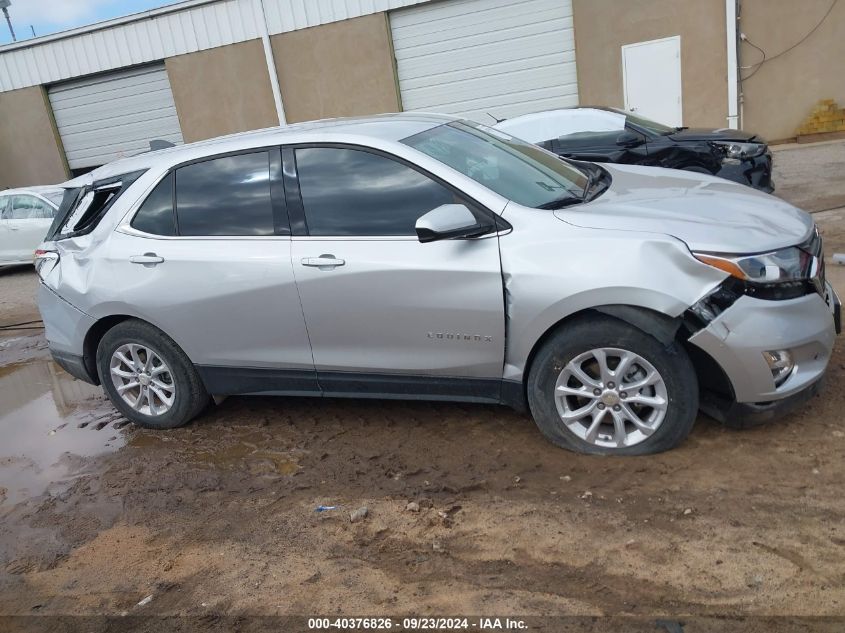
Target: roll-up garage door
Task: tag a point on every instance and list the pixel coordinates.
(109, 116)
(471, 57)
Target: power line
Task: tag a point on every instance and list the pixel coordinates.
(766, 59)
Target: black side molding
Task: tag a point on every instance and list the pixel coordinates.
(304, 382)
(409, 387)
(258, 380)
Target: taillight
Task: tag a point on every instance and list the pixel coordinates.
(45, 261)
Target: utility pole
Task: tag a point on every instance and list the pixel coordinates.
(5, 4)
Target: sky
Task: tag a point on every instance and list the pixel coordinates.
(51, 16)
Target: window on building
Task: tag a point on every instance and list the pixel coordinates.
(354, 192)
(225, 196)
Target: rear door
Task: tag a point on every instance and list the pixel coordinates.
(27, 219)
(216, 275)
(388, 314)
(6, 241)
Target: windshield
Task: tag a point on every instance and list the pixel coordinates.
(648, 125)
(514, 169)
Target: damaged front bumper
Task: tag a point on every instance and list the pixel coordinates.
(738, 338)
(754, 171)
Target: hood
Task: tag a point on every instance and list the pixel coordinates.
(707, 213)
(721, 134)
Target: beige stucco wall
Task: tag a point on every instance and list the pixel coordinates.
(30, 149)
(339, 69)
(784, 90)
(602, 27)
(222, 90)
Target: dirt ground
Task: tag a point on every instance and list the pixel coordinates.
(219, 517)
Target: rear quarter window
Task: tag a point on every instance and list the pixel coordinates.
(83, 208)
(155, 215)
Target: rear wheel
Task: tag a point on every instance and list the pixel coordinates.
(148, 378)
(602, 386)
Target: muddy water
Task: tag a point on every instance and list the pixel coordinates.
(48, 420)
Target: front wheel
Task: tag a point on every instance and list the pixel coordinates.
(148, 378)
(602, 386)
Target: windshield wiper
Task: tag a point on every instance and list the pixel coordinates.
(589, 185)
(560, 203)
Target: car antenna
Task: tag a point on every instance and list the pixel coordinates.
(494, 118)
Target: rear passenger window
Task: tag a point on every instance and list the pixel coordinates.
(352, 192)
(225, 196)
(155, 215)
(26, 207)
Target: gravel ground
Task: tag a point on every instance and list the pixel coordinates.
(811, 176)
(219, 517)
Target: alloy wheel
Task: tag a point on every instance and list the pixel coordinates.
(142, 379)
(611, 397)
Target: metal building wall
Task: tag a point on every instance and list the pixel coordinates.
(106, 117)
(471, 57)
(154, 35)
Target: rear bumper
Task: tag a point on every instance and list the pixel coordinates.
(74, 365)
(65, 328)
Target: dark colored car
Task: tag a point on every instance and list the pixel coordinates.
(615, 136)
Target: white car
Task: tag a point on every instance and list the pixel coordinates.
(25, 216)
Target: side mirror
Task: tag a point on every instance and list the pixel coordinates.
(449, 221)
(629, 139)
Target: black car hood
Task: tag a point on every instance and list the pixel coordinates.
(722, 134)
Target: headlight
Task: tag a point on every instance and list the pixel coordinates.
(740, 150)
(778, 267)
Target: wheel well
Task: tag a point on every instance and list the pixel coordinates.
(92, 340)
(711, 377)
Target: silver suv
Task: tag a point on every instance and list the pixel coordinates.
(422, 256)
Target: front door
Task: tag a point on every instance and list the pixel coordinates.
(383, 309)
(651, 73)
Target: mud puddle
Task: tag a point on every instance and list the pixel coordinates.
(48, 421)
(207, 445)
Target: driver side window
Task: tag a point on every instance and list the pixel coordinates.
(352, 192)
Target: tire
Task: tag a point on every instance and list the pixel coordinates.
(571, 348)
(180, 382)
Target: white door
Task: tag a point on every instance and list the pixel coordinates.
(26, 220)
(6, 241)
(651, 73)
(474, 57)
(112, 115)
